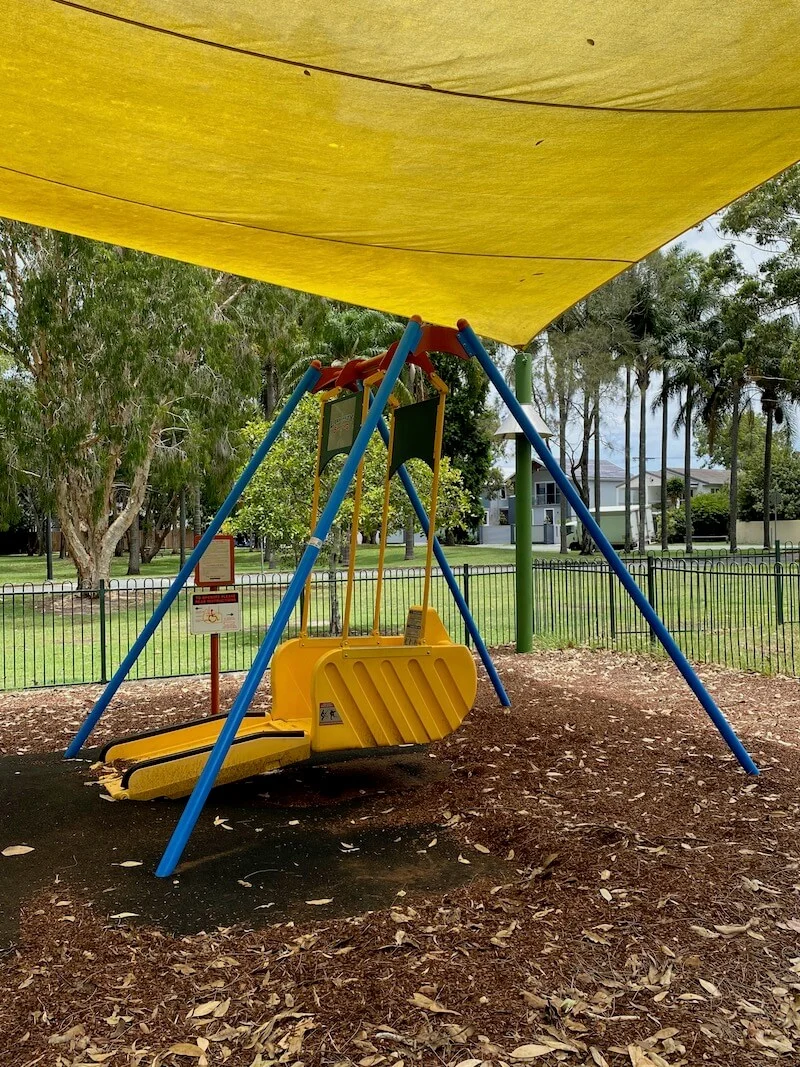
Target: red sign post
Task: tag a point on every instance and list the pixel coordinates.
(215, 569)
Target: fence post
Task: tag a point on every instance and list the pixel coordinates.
(466, 601)
(778, 583)
(103, 661)
(612, 607)
(651, 589)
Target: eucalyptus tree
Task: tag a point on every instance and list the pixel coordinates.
(121, 350)
(555, 385)
(582, 368)
(770, 215)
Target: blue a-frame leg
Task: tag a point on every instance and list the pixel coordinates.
(449, 577)
(473, 347)
(307, 382)
(216, 758)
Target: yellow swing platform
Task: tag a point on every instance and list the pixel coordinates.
(331, 694)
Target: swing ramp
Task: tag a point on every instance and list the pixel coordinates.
(332, 694)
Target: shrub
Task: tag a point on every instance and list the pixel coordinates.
(710, 514)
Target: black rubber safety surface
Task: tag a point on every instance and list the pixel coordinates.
(261, 848)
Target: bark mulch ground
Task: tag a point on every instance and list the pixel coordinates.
(631, 896)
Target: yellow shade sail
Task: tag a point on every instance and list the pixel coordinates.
(448, 157)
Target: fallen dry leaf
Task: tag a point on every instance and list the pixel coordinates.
(421, 1001)
(205, 1009)
(185, 1049)
(527, 1053)
(17, 850)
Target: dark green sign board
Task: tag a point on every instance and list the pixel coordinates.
(341, 421)
(415, 433)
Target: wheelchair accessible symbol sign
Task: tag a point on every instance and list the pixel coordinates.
(328, 715)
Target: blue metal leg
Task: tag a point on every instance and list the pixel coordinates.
(449, 577)
(308, 381)
(473, 347)
(216, 757)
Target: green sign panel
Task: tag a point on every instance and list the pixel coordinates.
(341, 421)
(415, 433)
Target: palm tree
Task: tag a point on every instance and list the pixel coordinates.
(651, 325)
(727, 381)
(771, 354)
(698, 336)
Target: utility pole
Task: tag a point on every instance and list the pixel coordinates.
(523, 387)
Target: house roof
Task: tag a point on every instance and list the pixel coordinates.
(702, 475)
(609, 472)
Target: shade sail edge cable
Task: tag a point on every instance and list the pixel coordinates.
(310, 236)
(374, 79)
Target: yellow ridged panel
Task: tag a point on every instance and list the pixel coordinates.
(390, 695)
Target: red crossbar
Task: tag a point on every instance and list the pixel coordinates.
(433, 339)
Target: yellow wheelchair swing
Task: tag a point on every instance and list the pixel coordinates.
(333, 693)
(368, 692)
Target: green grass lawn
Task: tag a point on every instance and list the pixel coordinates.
(16, 570)
(726, 614)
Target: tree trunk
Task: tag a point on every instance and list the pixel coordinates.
(48, 545)
(628, 403)
(596, 463)
(642, 463)
(733, 492)
(197, 517)
(687, 469)
(269, 553)
(182, 526)
(335, 615)
(271, 387)
(768, 473)
(135, 555)
(664, 445)
(586, 539)
(563, 415)
(408, 532)
(92, 540)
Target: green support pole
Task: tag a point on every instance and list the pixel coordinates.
(523, 387)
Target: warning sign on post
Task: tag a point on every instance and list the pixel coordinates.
(215, 613)
(216, 563)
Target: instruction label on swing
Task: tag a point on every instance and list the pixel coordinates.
(215, 613)
(328, 715)
(413, 631)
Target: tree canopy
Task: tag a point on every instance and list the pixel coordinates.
(277, 503)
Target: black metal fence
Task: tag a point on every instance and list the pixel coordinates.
(738, 611)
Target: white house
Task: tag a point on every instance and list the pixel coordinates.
(703, 480)
(500, 516)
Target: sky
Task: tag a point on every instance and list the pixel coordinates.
(704, 238)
